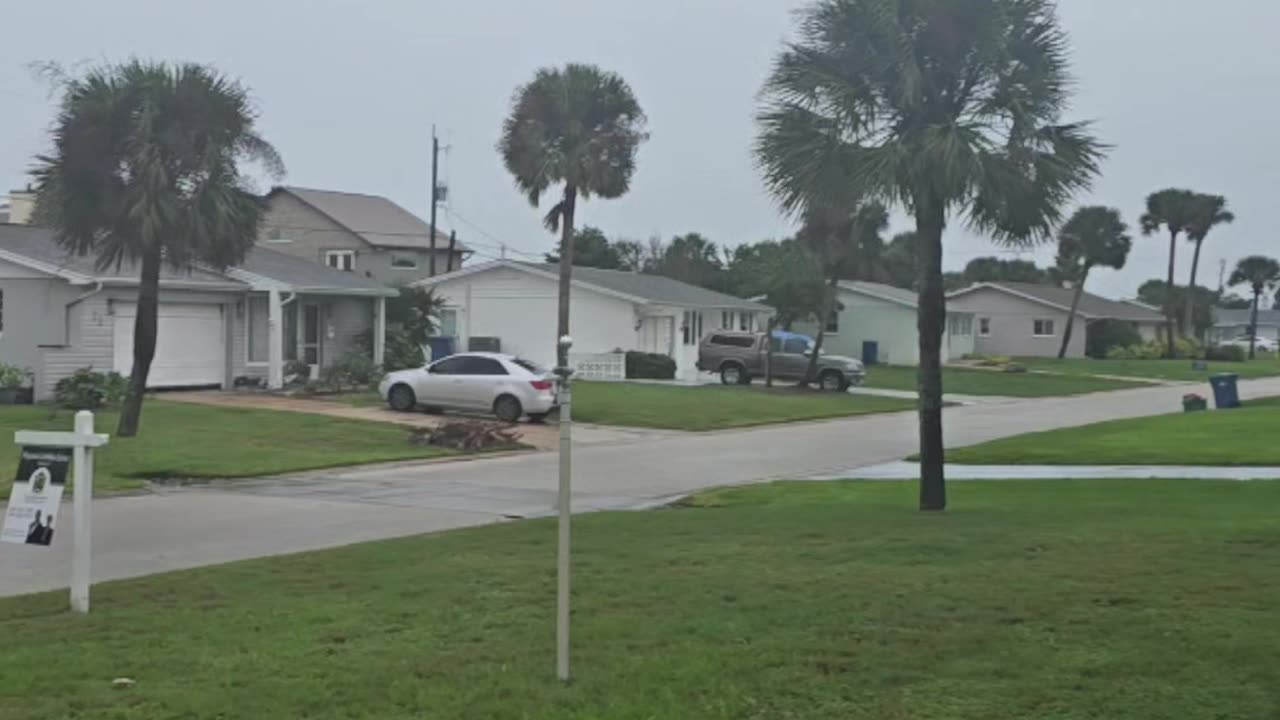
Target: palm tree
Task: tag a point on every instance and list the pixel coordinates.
(839, 241)
(1170, 209)
(1261, 274)
(1207, 212)
(943, 109)
(578, 127)
(145, 171)
(1093, 237)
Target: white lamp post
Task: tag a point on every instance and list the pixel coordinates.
(562, 502)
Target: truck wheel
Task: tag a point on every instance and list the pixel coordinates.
(832, 381)
(732, 374)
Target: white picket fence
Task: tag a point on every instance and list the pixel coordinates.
(599, 366)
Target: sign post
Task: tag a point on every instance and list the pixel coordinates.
(37, 493)
(563, 506)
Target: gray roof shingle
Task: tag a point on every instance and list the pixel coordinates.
(373, 218)
(1091, 306)
(37, 244)
(1228, 317)
(875, 289)
(654, 288)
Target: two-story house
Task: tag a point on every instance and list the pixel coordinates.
(365, 234)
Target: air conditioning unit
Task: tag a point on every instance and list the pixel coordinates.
(484, 344)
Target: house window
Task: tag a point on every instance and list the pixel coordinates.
(1043, 328)
(341, 259)
(745, 321)
(726, 319)
(833, 323)
(448, 323)
(275, 236)
(961, 325)
(984, 327)
(257, 329)
(692, 327)
(404, 262)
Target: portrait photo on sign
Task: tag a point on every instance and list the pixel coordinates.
(36, 496)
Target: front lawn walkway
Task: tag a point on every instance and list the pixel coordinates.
(962, 381)
(824, 601)
(182, 441)
(1244, 436)
(715, 407)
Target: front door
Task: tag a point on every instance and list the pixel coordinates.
(309, 347)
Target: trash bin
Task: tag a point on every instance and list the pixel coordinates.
(1225, 393)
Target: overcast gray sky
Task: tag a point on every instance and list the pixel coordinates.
(1188, 92)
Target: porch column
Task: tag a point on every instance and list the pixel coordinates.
(275, 340)
(379, 331)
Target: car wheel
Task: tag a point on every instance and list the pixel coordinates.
(401, 398)
(537, 418)
(832, 381)
(731, 374)
(507, 408)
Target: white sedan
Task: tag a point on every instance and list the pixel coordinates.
(504, 385)
(1263, 344)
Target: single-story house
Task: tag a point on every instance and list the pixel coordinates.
(1025, 319)
(59, 313)
(511, 307)
(364, 234)
(876, 323)
(1231, 325)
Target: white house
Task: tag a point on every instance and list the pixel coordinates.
(876, 323)
(516, 304)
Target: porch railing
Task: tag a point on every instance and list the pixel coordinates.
(599, 366)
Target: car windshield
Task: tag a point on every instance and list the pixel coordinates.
(532, 367)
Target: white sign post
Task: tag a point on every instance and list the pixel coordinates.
(82, 443)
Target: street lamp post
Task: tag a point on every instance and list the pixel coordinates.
(562, 503)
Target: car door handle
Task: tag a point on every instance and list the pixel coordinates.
(457, 382)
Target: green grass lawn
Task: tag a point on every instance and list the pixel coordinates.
(183, 441)
(1243, 436)
(988, 382)
(713, 407)
(1065, 600)
(1154, 369)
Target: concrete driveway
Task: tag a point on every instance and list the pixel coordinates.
(232, 521)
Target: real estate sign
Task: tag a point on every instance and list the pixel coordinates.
(37, 493)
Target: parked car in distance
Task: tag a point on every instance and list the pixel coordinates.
(740, 356)
(504, 385)
(1263, 344)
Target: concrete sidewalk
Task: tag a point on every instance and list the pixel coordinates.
(232, 521)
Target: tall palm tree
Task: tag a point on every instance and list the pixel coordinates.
(839, 240)
(1261, 274)
(1093, 237)
(943, 108)
(1169, 209)
(1207, 212)
(145, 170)
(578, 127)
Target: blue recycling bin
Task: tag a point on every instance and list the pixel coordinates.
(1225, 392)
(441, 347)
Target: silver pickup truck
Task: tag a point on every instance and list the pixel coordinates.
(741, 356)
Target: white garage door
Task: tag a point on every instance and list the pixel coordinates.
(190, 345)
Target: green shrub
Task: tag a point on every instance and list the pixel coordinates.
(1225, 353)
(1156, 349)
(1187, 348)
(297, 373)
(88, 390)
(13, 377)
(353, 371)
(399, 351)
(649, 366)
(1104, 335)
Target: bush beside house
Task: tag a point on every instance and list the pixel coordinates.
(650, 366)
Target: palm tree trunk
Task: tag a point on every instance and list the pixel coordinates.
(768, 351)
(828, 307)
(1188, 313)
(144, 344)
(930, 319)
(1168, 297)
(566, 271)
(1253, 324)
(1071, 319)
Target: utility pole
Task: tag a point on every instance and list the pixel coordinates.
(435, 195)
